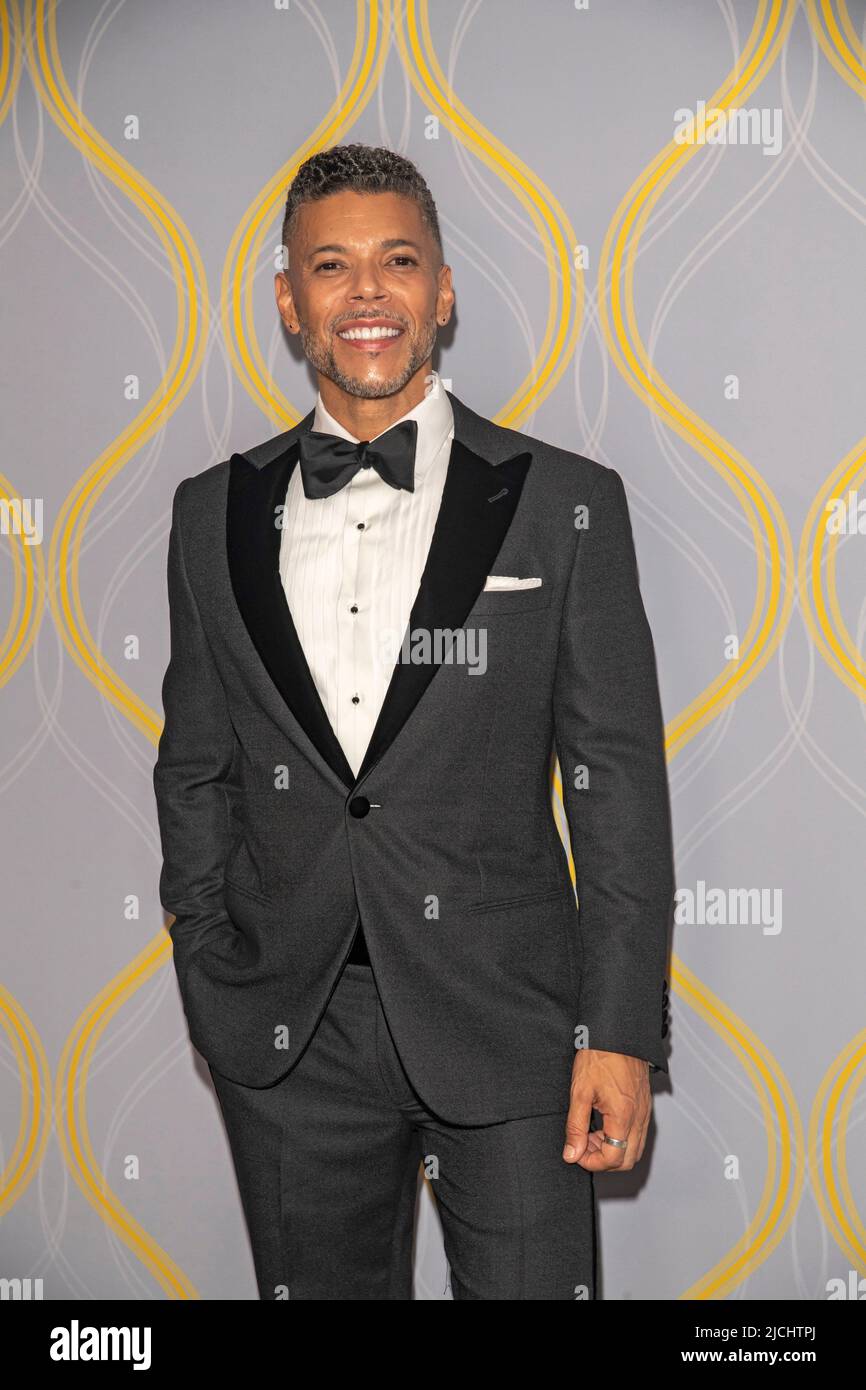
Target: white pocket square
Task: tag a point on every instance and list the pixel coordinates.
(507, 581)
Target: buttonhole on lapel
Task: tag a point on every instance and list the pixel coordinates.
(497, 496)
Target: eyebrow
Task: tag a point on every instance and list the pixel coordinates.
(387, 245)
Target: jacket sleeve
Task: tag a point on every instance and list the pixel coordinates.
(192, 771)
(608, 721)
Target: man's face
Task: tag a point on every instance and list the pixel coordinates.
(365, 259)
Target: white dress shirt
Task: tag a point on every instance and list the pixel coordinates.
(351, 564)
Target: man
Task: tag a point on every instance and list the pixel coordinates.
(384, 622)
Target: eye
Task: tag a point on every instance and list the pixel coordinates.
(335, 265)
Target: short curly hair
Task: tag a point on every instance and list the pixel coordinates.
(364, 168)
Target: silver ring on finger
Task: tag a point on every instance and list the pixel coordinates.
(617, 1143)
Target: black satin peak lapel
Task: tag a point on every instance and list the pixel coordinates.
(256, 498)
(478, 504)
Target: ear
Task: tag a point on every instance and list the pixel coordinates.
(444, 295)
(286, 302)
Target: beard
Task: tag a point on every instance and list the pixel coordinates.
(320, 354)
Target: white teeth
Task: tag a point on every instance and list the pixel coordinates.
(371, 333)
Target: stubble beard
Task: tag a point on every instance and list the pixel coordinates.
(320, 354)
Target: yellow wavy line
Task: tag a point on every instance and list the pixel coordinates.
(192, 301)
(853, 37)
(554, 229)
(772, 1219)
(617, 266)
(35, 1120)
(830, 633)
(847, 60)
(837, 647)
(238, 278)
(828, 629)
(11, 61)
(72, 1129)
(858, 51)
(837, 1204)
(187, 353)
(854, 1079)
(28, 596)
(28, 606)
(751, 489)
(25, 618)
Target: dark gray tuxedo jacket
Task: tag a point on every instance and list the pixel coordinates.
(445, 844)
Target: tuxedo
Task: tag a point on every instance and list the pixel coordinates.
(527, 637)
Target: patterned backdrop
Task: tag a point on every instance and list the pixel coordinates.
(655, 211)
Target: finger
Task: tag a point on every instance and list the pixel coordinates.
(577, 1127)
(600, 1156)
(605, 1157)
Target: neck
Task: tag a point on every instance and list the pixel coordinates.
(366, 416)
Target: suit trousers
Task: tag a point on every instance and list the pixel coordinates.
(327, 1163)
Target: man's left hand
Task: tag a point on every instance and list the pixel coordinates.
(618, 1087)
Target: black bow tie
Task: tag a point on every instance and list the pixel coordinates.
(328, 461)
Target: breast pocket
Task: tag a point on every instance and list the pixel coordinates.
(493, 601)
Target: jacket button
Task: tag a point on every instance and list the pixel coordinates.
(358, 807)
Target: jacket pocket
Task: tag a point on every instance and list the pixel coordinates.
(526, 898)
(241, 873)
(247, 891)
(493, 601)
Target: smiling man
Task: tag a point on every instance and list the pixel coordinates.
(375, 932)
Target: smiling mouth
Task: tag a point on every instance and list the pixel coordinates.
(373, 337)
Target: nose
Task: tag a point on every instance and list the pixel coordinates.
(366, 285)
